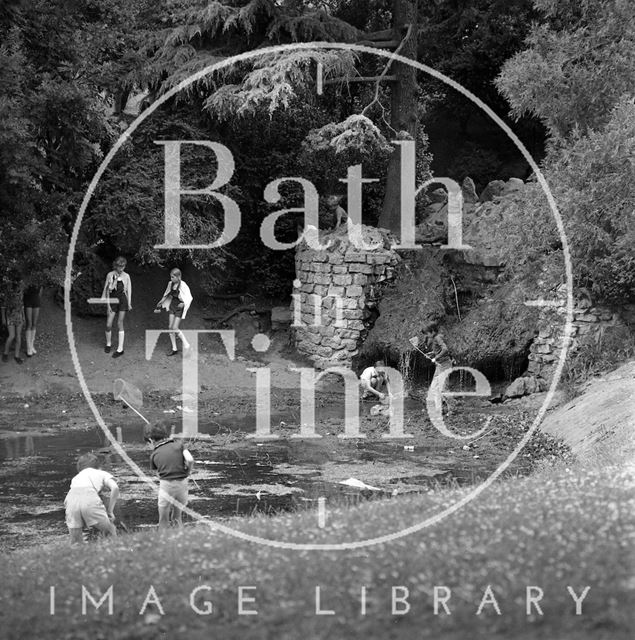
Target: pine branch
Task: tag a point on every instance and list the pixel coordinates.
(361, 79)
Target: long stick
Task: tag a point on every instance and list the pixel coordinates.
(456, 297)
(425, 355)
(124, 400)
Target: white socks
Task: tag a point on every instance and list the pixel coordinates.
(120, 338)
(29, 336)
(186, 344)
(173, 340)
(108, 338)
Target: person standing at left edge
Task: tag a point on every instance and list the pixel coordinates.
(32, 303)
(118, 286)
(12, 312)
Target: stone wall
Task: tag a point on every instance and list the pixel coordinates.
(336, 293)
(589, 323)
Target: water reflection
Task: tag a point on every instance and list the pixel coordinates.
(18, 446)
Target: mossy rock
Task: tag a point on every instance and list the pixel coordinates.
(495, 335)
(416, 297)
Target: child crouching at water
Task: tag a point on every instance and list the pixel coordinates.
(174, 464)
(84, 506)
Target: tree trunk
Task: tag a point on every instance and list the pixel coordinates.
(403, 107)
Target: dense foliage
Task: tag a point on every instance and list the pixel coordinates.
(68, 68)
(578, 76)
(578, 63)
(63, 67)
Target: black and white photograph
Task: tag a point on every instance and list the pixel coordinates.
(317, 319)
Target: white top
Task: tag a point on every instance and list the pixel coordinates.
(368, 373)
(185, 296)
(111, 283)
(93, 479)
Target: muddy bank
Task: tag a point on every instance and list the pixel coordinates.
(598, 423)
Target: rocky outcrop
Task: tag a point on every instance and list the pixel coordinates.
(492, 190)
(480, 305)
(484, 321)
(525, 385)
(417, 296)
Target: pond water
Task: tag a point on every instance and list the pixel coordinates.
(233, 476)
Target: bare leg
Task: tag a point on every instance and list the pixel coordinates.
(18, 340)
(28, 312)
(164, 517)
(10, 339)
(177, 516)
(369, 390)
(36, 315)
(120, 324)
(76, 536)
(110, 317)
(173, 323)
(177, 322)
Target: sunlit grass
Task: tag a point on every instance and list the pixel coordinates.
(563, 527)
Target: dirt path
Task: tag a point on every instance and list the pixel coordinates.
(52, 370)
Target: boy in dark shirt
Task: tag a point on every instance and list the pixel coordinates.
(174, 464)
(437, 351)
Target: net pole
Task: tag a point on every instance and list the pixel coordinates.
(425, 355)
(124, 400)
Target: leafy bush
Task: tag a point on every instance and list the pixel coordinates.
(577, 65)
(576, 75)
(592, 179)
(594, 357)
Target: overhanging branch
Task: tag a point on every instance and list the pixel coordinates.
(385, 70)
(362, 79)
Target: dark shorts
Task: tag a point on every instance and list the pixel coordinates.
(122, 304)
(174, 310)
(32, 298)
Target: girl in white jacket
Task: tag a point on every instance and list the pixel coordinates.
(118, 287)
(176, 300)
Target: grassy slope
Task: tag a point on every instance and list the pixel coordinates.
(560, 528)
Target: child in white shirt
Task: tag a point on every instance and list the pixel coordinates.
(84, 506)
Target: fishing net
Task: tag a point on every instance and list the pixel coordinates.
(129, 394)
(122, 390)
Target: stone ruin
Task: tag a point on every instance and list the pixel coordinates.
(587, 327)
(336, 293)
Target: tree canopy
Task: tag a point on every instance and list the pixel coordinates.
(68, 68)
(577, 65)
